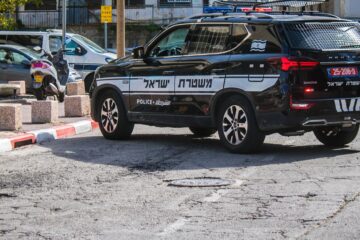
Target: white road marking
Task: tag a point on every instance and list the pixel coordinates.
(172, 228)
(215, 196)
(289, 142)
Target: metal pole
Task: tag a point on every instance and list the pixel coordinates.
(120, 28)
(63, 23)
(106, 35)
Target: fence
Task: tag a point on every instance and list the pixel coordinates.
(84, 16)
(53, 18)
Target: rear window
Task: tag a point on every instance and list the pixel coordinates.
(324, 36)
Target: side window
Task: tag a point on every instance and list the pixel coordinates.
(209, 39)
(238, 34)
(29, 41)
(3, 39)
(18, 58)
(172, 44)
(55, 43)
(263, 39)
(72, 48)
(4, 57)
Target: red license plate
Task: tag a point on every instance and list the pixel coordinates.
(343, 72)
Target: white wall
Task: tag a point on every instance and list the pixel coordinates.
(347, 8)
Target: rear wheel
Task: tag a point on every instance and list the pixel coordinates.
(237, 126)
(112, 116)
(202, 132)
(61, 97)
(40, 94)
(336, 136)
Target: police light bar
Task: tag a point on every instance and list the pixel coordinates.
(249, 9)
(229, 9)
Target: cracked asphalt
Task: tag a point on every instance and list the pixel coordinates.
(87, 187)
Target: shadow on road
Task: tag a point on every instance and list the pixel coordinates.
(181, 152)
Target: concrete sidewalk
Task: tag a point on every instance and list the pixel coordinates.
(28, 126)
(38, 133)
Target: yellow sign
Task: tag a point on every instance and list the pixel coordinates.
(106, 14)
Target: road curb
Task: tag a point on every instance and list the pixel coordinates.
(45, 135)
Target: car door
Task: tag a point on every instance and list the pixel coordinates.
(203, 68)
(3, 65)
(18, 67)
(152, 78)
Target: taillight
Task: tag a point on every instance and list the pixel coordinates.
(287, 64)
(300, 106)
(309, 90)
(40, 65)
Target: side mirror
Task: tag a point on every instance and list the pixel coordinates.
(138, 52)
(26, 63)
(37, 48)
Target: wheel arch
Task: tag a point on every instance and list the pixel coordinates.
(98, 93)
(88, 76)
(224, 94)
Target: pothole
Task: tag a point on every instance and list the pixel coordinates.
(201, 182)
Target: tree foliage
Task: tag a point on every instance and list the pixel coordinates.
(7, 12)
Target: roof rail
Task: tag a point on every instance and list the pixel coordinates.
(289, 3)
(206, 15)
(53, 30)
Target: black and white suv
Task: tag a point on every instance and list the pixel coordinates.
(245, 75)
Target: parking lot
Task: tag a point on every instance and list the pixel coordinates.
(87, 187)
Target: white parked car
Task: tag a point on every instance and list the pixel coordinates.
(81, 53)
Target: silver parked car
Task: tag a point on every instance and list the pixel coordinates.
(15, 64)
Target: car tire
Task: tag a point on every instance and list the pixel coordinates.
(202, 132)
(336, 137)
(237, 126)
(113, 121)
(39, 94)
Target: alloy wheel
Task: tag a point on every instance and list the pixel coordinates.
(235, 124)
(109, 115)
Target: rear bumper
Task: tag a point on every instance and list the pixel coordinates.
(325, 112)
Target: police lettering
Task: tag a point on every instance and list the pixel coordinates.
(156, 83)
(195, 83)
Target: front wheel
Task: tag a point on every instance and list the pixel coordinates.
(335, 136)
(237, 127)
(112, 117)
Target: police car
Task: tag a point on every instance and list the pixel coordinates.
(243, 75)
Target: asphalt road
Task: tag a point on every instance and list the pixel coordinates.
(87, 187)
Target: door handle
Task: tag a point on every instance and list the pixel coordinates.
(168, 73)
(218, 71)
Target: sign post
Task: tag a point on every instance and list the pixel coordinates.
(106, 17)
(63, 24)
(120, 28)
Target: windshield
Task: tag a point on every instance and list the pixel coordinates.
(89, 43)
(32, 54)
(324, 36)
